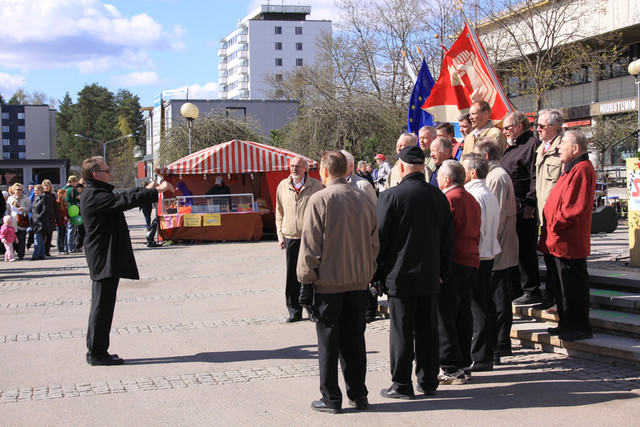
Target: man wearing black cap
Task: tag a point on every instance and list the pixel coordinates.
(415, 256)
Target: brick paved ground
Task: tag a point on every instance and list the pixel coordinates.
(205, 343)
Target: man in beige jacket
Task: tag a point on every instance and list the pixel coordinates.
(292, 196)
(338, 257)
(482, 127)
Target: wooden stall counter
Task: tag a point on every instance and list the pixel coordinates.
(236, 226)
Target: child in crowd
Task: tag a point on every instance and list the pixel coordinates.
(63, 219)
(8, 235)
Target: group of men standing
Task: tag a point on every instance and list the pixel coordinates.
(445, 241)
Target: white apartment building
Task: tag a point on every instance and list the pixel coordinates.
(271, 40)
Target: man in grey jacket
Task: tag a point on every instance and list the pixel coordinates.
(337, 255)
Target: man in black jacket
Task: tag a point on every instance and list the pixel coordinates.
(108, 249)
(416, 247)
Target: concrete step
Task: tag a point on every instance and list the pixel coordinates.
(602, 347)
(609, 321)
(625, 281)
(616, 300)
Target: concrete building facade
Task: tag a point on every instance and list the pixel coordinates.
(271, 40)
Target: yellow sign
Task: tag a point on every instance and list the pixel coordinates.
(192, 220)
(210, 219)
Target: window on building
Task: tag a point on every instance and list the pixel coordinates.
(6, 155)
(21, 129)
(299, 30)
(299, 62)
(6, 142)
(20, 116)
(5, 116)
(40, 174)
(5, 128)
(279, 93)
(278, 62)
(278, 30)
(22, 142)
(298, 46)
(22, 155)
(278, 77)
(278, 45)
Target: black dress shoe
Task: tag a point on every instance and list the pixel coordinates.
(496, 359)
(294, 318)
(427, 392)
(479, 367)
(575, 335)
(555, 331)
(361, 403)
(108, 360)
(320, 406)
(392, 394)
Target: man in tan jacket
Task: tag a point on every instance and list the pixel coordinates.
(482, 127)
(338, 257)
(292, 196)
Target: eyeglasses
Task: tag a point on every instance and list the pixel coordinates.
(508, 127)
(19, 189)
(541, 126)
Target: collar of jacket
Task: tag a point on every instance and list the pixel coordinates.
(575, 161)
(523, 137)
(99, 184)
(413, 175)
(306, 179)
(337, 181)
(475, 183)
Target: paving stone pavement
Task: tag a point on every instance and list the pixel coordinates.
(205, 343)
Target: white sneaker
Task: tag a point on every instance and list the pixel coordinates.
(453, 378)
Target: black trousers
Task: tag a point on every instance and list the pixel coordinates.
(571, 282)
(482, 309)
(414, 336)
(340, 330)
(549, 288)
(48, 238)
(292, 287)
(527, 230)
(503, 315)
(103, 302)
(455, 322)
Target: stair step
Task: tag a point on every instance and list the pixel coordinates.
(602, 346)
(625, 281)
(625, 301)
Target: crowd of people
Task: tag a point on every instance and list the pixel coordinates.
(450, 235)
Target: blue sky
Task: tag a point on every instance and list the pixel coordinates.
(145, 46)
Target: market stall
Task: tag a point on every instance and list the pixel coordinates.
(251, 171)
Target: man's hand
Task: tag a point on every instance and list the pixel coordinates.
(528, 212)
(151, 185)
(165, 186)
(306, 296)
(282, 245)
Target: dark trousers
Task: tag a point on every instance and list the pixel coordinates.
(62, 238)
(482, 309)
(103, 302)
(503, 315)
(19, 246)
(549, 288)
(571, 280)
(48, 238)
(527, 230)
(292, 287)
(414, 335)
(455, 322)
(340, 330)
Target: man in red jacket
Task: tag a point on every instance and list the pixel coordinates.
(565, 237)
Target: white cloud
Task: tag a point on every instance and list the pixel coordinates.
(208, 91)
(36, 34)
(138, 78)
(9, 83)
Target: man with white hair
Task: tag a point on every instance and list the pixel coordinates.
(566, 236)
(405, 140)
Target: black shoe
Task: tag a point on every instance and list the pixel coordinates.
(546, 304)
(320, 406)
(506, 352)
(496, 359)
(294, 318)
(153, 244)
(392, 394)
(108, 360)
(555, 331)
(575, 335)
(369, 319)
(361, 403)
(428, 392)
(528, 300)
(479, 367)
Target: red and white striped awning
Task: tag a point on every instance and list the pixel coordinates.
(234, 157)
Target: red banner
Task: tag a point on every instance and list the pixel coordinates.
(466, 77)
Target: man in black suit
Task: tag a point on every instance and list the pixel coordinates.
(416, 247)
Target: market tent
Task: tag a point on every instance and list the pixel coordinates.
(234, 157)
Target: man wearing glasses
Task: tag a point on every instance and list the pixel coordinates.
(108, 249)
(519, 160)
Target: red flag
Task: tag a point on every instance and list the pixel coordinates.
(466, 77)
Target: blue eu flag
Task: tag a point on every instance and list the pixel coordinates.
(421, 91)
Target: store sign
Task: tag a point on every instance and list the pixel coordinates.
(614, 107)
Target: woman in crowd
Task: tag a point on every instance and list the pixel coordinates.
(40, 221)
(61, 221)
(52, 211)
(19, 206)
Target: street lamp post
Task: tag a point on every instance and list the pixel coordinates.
(190, 112)
(104, 143)
(634, 70)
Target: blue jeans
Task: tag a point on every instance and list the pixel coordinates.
(38, 246)
(72, 231)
